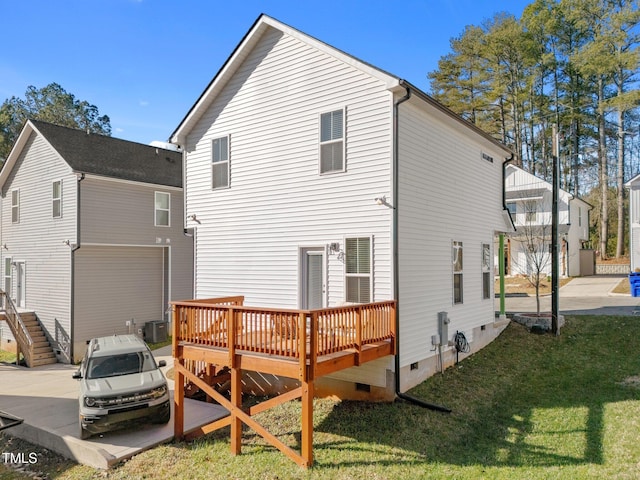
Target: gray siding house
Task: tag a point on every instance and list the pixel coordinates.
(93, 237)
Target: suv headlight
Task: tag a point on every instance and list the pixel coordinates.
(90, 402)
(159, 392)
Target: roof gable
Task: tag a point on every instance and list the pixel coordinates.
(253, 36)
(95, 154)
(262, 24)
(534, 187)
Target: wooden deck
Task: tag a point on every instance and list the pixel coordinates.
(222, 333)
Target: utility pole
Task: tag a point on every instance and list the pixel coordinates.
(555, 311)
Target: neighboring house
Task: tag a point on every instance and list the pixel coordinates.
(633, 186)
(93, 236)
(529, 200)
(314, 179)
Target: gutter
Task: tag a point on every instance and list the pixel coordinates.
(73, 268)
(396, 273)
(504, 189)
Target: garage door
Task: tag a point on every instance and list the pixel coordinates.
(114, 285)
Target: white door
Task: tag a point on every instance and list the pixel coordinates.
(20, 284)
(313, 278)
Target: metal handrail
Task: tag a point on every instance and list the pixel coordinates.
(18, 328)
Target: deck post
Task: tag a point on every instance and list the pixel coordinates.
(307, 423)
(236, 400)
(178, 394)
(178, 401)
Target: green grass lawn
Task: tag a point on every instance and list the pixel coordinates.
(7, 356)
(526, 407)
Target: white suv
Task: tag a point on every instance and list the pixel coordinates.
(119, 382)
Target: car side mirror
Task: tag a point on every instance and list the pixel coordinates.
(77, 375)
(162, 363)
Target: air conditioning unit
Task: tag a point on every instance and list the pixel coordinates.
(155, 332)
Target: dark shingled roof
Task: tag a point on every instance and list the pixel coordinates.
(112, 157)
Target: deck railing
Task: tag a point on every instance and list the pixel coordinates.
(226, 323)
(18, 329)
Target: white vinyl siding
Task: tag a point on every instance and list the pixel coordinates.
(249, 236)
(15, 206)
(332, 128)
(220, 163)
(162, 214)
(358, 270)
(432, 154)
(56, 199)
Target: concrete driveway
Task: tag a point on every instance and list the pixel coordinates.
(581, 296)
(46, 398)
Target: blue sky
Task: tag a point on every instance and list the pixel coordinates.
(145, 62)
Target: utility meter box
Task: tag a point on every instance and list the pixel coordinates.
(443, 327)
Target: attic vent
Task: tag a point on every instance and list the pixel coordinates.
(486, 157)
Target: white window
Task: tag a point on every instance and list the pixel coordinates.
(486, 271)
(531, 212)
(332, 141)
(579, 216)
(162, 209)
(56, 198)
(220, 163)
(511, 206)
(15, 206)
(358, 269)
(7, 276)
(456, 257)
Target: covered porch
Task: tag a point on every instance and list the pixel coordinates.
(223, 334)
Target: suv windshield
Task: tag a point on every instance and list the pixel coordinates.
(122, 364)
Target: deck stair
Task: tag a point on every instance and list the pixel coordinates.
(42, 352)
(31, 340)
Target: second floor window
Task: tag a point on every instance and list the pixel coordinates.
(530, 212)
(15, 206)
(332, 141)
(56, 196)
(162, 209)
(220, 163)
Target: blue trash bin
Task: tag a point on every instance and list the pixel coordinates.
(634, 284)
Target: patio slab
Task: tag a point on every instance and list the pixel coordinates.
(47, 399)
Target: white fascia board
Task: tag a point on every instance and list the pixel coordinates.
(630, 183)
(524, 199)
(129, 182)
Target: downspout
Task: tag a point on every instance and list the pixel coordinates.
(73, 268)
(501, 265)
(396, 273)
